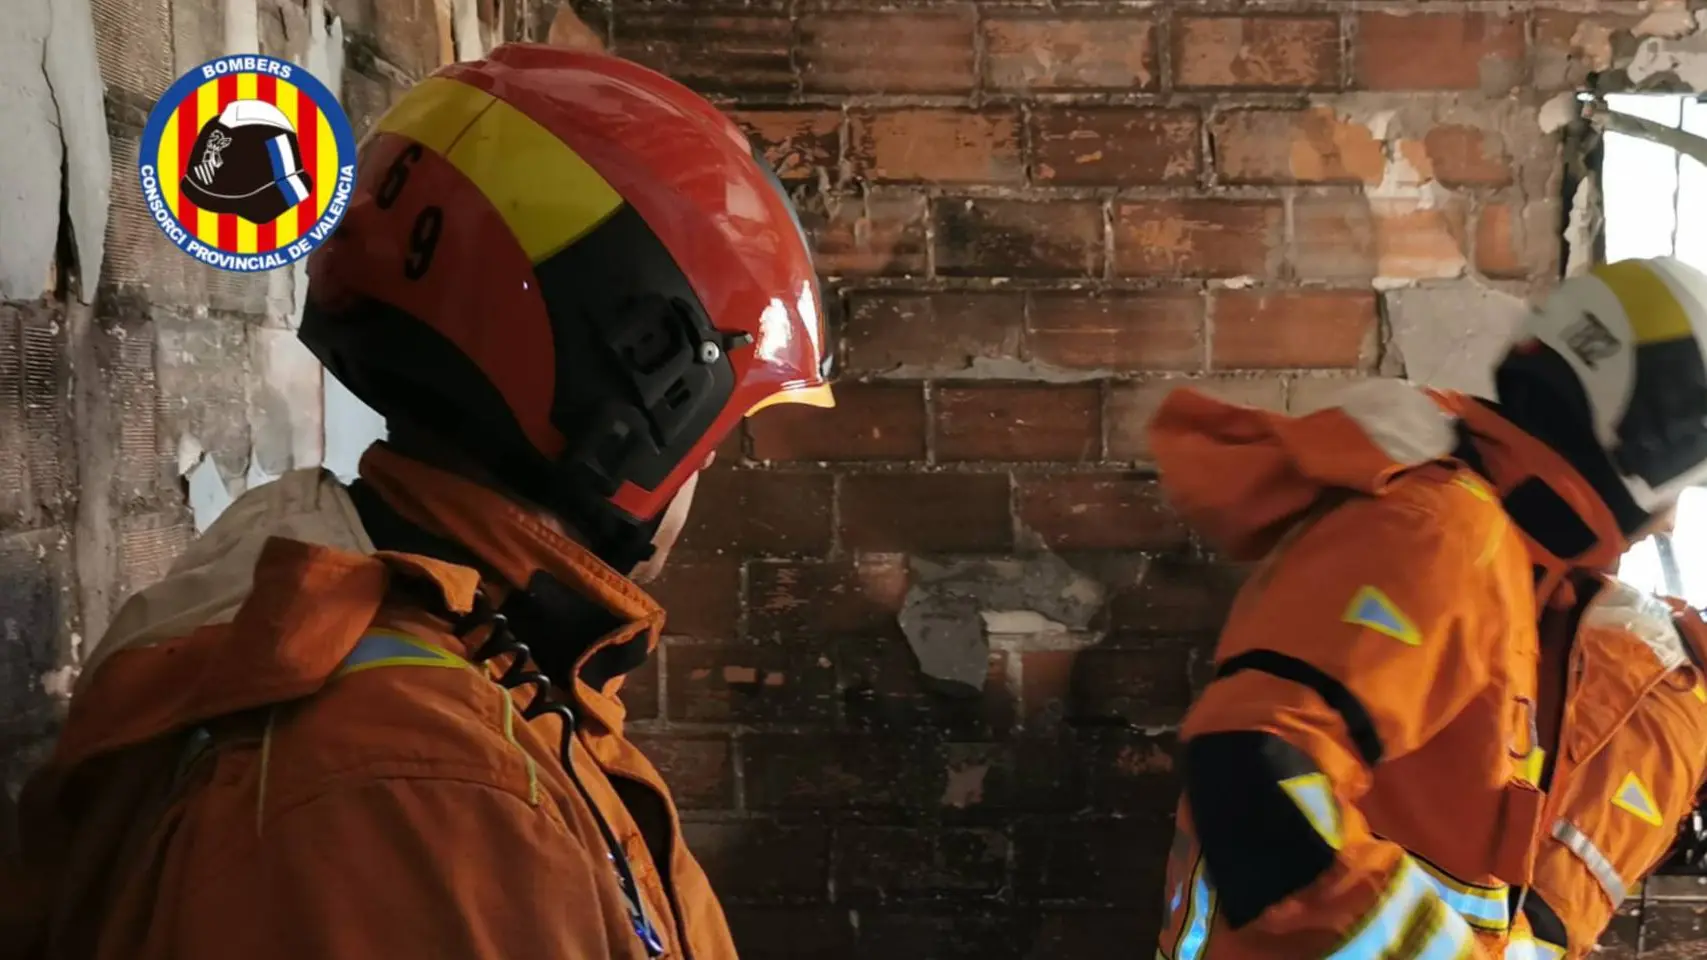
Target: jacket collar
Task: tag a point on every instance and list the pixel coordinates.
(546, 582)
(1565, 525)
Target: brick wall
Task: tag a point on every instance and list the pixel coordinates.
(1034, 221)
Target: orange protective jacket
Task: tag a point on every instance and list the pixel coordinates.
(284, 751)
(1630, 754)
(1380, 666)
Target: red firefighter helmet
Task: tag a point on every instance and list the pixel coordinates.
(574, 270)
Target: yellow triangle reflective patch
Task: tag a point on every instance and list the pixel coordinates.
(1371, 608)
(1633, 797)
(1314, 797)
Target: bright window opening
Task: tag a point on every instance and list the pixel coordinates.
(1647, 187)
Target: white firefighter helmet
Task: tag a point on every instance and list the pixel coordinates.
(1634, 334)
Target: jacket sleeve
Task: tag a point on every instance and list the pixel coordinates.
(411, 868)
(1358, 641)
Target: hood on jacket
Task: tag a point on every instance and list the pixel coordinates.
(596, 622)
(1243, 477)
(210, 580)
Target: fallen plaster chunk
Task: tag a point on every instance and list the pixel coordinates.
(952, 609)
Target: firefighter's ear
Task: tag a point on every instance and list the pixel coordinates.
(570, 32)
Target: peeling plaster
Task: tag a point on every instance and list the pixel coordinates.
(1684, 57)
(1557, 113)
(1448, 334)
(466, 27)
(74, 73)
(1669, 19)
(30, 154)
(1585, 223)
(951, 610)
(55, 147)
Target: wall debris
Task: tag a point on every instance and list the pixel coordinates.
(952, 609)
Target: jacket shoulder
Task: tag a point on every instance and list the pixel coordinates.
(399, 706)
(1441, 518)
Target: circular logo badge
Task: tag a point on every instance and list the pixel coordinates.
(247, 163)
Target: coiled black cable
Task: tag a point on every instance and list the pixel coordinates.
(522, 671)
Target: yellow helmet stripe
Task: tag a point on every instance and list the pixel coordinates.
(548, 196)
(1653, 310)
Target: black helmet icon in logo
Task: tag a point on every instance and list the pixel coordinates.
(246, 161)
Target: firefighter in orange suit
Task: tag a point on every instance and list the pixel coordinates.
(1365, 776)
(1625, 689)
(382, 720)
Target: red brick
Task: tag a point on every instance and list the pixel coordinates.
(1098, 512)
(1131, 405)
(809, 603)
(1356, 238)
(1467, 156)
(920, 862)
(976, 238)
(883, 690)
(881, 233)
(1079, 53)
(757, 512)
(846, 772)
(699, 770)
(1114, 861)
(868, 422)
(733, 53)
(931, 332)
(1154, 330)
(749, 683)
(942, 146)
(639, 693)
(1257, 52)
(910, 928)
(933, 512)
(1019, 422)
(1093, 933)
(1295, 146)
(1510, 242)
(798, 143)
(570, 32)
(752, 860)
(1146, 686)
(1135, 774)
(792, 932)
(1259, 330)
(1456, 51)
(1198, 238)
(893, 52)
(1115, 145)
(1175, 598)
(700, 594)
